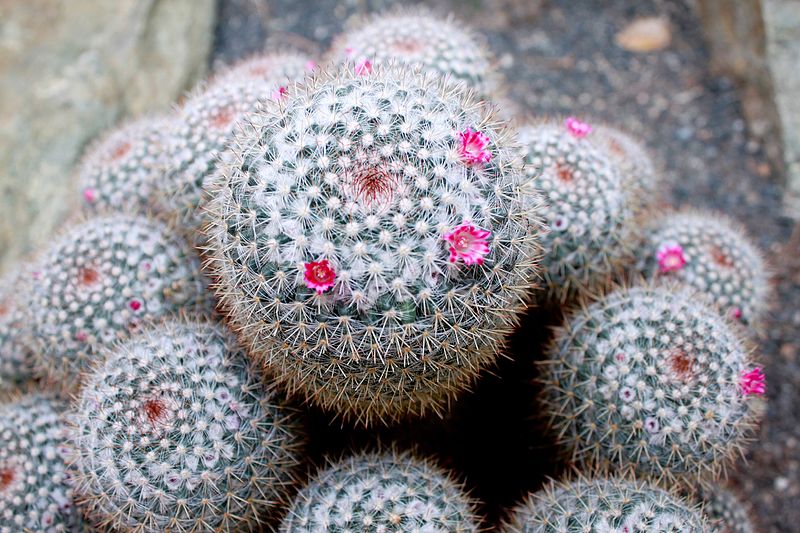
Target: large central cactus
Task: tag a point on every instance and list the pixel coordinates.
(373, 238)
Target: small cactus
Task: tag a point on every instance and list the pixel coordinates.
(120, 170)
(712, 254)
(207, 121)
(373, 239)
(590, 211)
(726, 511)
(418, 38)
(176, 431)
(34, 493)
(605, 505)
(372, 493)
(652, 379)
(101, 280)
(16, 345)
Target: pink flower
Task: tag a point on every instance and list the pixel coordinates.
(311, 65)
(670, 257)
(89, 194)
(468, 243)
(752, 382)
(473, 147)
(319, 275)
(577, 128)
(135, 305)
(364, 67)
(279, 93)
(736, 312)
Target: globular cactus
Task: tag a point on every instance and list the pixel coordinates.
(207, 121)
(34, 490)
(120, 170)
(101, 280)
(712, 254)
(726, 511)
(373, 239)
(176, 431)
(605, 505)
(418, 38)
(635, 164)
(652, 380)
(374, 493)
(590, 213)
(16, 344)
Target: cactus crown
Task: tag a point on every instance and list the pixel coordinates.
(710, 253)
(373, 238)
(34, 495)
(605, 505)
(176, 431)
(418, 38)
(374, 493)
(120, 170)
(589, 213)
(103, 279)
(651, 379)
(206, 123)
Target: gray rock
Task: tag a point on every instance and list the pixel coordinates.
(68, 70)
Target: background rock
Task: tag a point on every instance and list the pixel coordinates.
(68, 70)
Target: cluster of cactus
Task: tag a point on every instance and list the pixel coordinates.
(605, 505)
(176, 431)
(102, 280)
(34, 491)
(373, 239)
(374, 233)
(651, 373)
(377, 493)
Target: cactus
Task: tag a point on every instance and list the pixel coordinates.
(176, 431)
(634, 163)
(590, 211)
(103, 279)
(605, 505)
(34, 493)
(725, 511)
(418, 38)
(373, 493)
(16, 345)
(120, 170)
(652, 380)
(373, 239)
(207, 121)
(712, 254)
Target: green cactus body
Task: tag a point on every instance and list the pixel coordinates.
(16, 344)
(726, 511)
(651, 380)
(103, 279)
(207, 121)
(119, 171)
(381, 494)
(712, 254)
(605, 506)
(34, 494)
(418, 38)
(590, 212)
(329, 234)
(634, 163)
(176, 431)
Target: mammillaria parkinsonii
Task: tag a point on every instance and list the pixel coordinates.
(373, 239)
